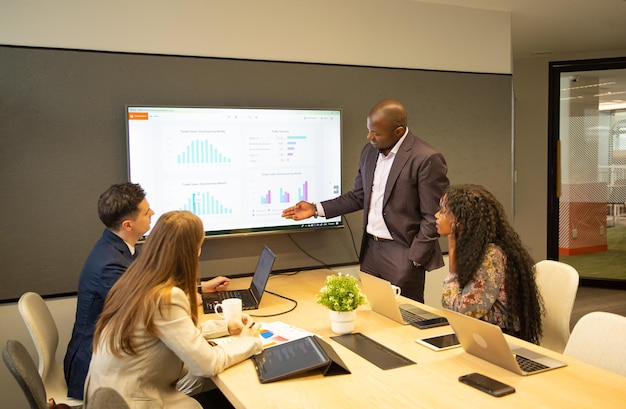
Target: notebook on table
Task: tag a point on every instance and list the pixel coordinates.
(382, 299)
(250, 297)
(487, 342)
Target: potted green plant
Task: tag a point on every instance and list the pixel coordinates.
(341, 295)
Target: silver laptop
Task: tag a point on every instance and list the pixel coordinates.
(487, 342)
(382, 299)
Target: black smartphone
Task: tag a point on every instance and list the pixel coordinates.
(487, 384)
(430, 323)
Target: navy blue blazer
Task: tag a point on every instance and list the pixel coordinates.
(108, 260)
(416, 182)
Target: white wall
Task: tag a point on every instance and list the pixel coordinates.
(386, 33)
(389, 33)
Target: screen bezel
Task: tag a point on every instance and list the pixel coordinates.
(282, 226)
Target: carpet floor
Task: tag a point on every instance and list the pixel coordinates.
(589, 299)
(609, 264)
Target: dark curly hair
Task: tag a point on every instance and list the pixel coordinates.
(481, 220)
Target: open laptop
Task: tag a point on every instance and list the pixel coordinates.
(487, 342)
(250, 297)
(382, 299)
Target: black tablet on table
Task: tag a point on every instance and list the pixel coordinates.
(297, 357)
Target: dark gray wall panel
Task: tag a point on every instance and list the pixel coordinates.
(62, 142)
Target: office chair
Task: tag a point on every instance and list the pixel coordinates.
(558, 284)
(433, 285)
(598, 339)
(106, 398)
(23, 369)
(45, 336)
(616, 198)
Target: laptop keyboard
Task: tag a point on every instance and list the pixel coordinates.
(228, 294)
(529, 365)
(247, 300)
(408, 316)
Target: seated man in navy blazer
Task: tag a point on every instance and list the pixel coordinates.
(125, 212)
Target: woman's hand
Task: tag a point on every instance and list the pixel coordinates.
(245, 326)
(251, 329)
(215, 284)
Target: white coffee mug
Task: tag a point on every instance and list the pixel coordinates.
(396, 290)
(230, 309)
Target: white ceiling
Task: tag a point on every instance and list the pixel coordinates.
(570, 27)
(567, 26)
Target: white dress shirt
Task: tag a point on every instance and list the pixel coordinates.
(375, 223)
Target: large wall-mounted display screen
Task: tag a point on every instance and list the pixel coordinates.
(236, 168)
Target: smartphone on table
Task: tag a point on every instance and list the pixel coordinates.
(487, 384)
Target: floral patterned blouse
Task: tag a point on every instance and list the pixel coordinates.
(484, 296)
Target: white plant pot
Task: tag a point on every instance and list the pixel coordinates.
(342, 322)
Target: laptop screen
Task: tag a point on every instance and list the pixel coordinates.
(262, 272)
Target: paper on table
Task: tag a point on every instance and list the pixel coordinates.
(272, 333)
(277, 332)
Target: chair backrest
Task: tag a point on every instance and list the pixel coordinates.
(23, 369)
(598, 339)
(45, 336)
(433, 285)
(106, 398)
(558, 285)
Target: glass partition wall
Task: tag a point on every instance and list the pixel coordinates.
(587, 169)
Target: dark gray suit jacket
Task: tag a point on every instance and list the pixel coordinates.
(416, 183)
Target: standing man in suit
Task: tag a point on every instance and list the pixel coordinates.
(125, 212)
(398, 186)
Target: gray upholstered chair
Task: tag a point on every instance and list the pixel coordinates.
(45, 335)
(23, 369)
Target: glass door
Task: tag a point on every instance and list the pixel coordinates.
(587, 169)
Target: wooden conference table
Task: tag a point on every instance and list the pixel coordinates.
(430, 383)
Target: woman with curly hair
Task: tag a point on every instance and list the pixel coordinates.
(492, 275)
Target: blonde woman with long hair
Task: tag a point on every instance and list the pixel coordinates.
(148, 337)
